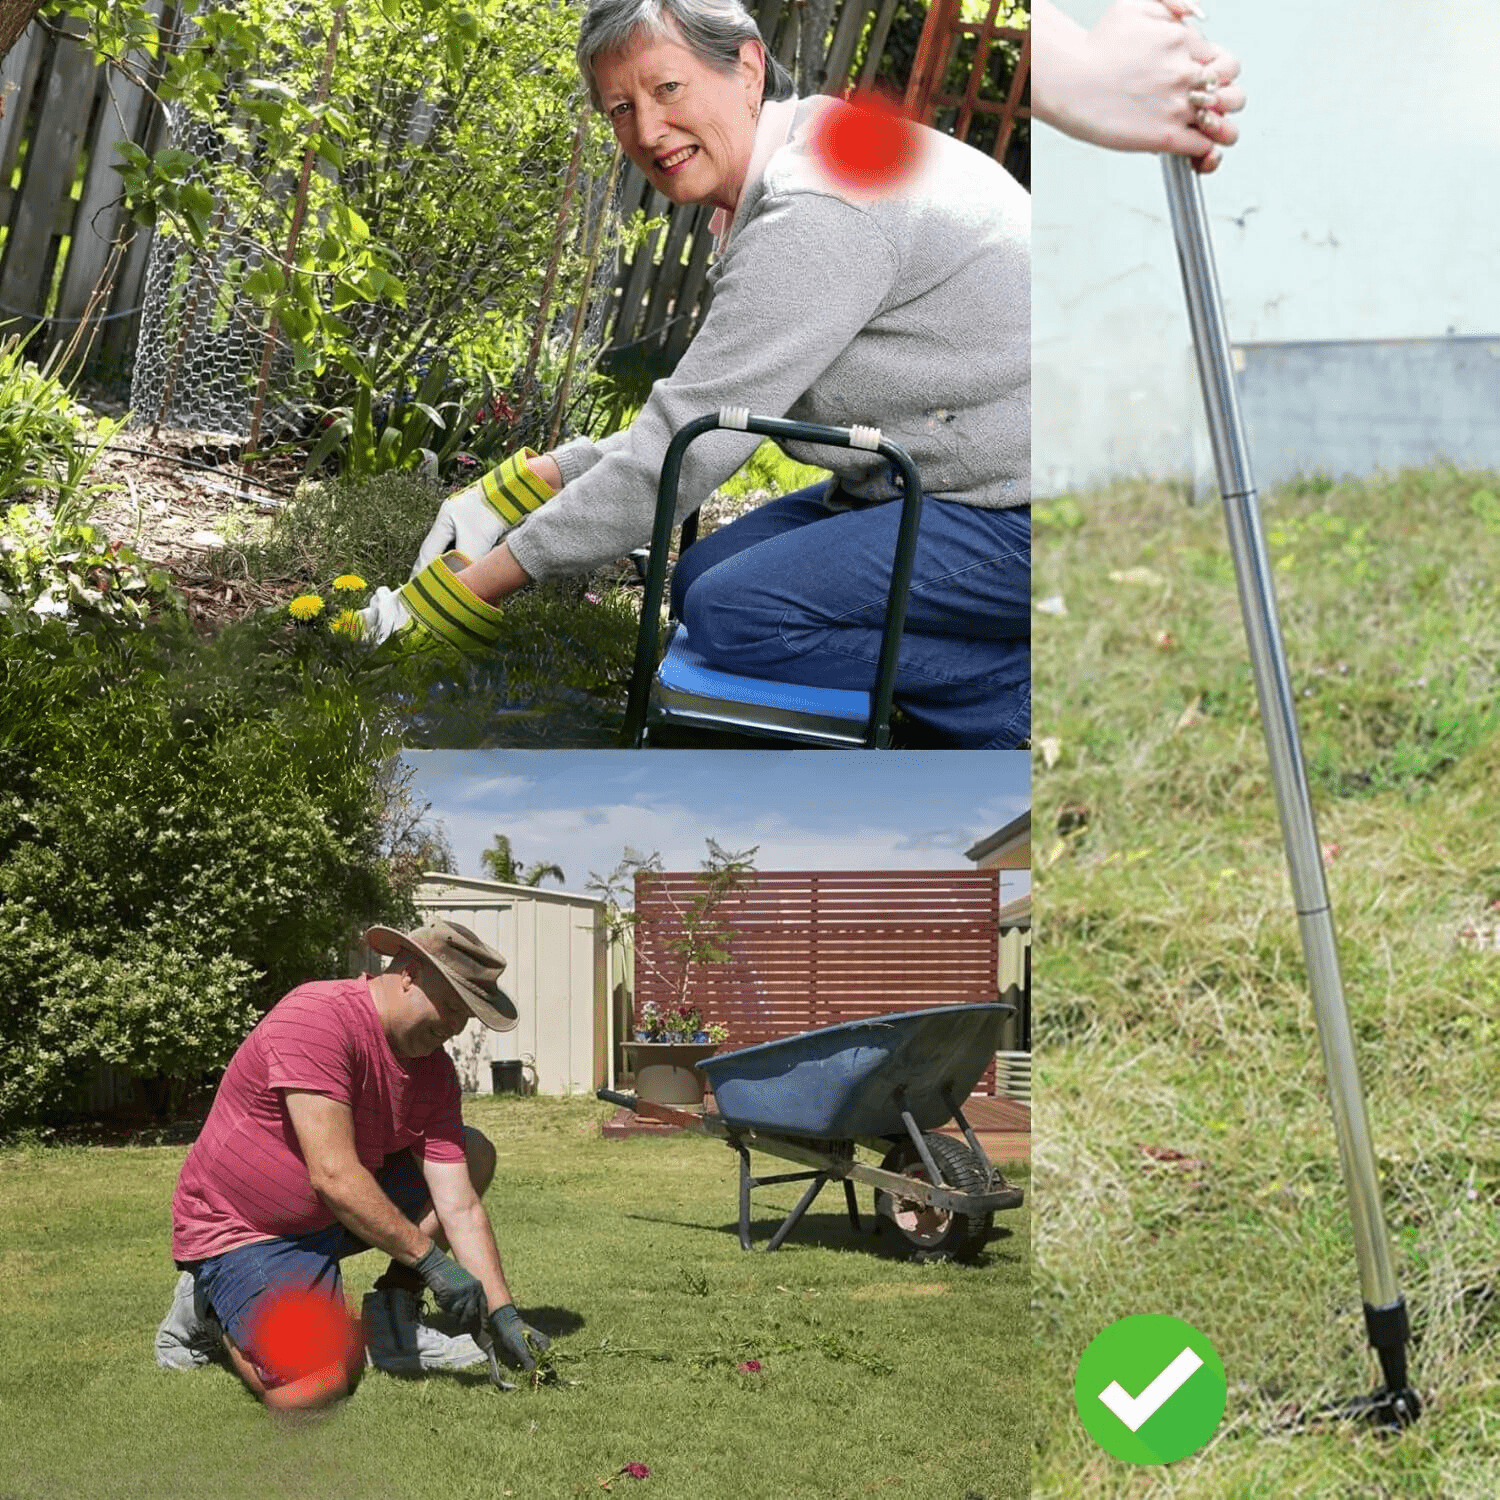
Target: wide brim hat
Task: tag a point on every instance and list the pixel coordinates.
(468, 963)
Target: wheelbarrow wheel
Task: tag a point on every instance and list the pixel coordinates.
(932, 1233)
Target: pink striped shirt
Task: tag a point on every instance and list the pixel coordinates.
(245, 1178)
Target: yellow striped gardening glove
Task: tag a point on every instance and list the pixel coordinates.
(474, 520)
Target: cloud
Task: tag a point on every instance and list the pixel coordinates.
(803, 811)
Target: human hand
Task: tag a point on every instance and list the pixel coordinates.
(383, 616)
(458, 1293)
(515, 1339)
(1141, 80)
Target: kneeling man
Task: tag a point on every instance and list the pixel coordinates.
(337, 1128)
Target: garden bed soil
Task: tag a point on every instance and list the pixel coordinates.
(178, 497)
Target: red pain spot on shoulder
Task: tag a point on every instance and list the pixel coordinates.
(867, 143)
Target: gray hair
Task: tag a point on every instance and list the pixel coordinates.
(713, 29)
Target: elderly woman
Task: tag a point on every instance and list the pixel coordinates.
(904, 307)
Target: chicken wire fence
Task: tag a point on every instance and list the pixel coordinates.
(198, 353)
(202, 340)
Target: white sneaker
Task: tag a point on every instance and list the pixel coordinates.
(398, 1341)
(189, 1335)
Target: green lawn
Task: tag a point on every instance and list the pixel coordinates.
(1185, 1152)
(878, 1376)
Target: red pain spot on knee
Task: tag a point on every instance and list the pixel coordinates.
(297, 1333)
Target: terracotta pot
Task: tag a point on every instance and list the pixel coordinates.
(665, 1072)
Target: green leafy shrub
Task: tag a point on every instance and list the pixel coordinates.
(187, 830)
(56, 568)
(444, 138)
(768, 468)
(48, 443)
(370, 526)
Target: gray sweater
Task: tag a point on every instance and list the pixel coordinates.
(909, 312)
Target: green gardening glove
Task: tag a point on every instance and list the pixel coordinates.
(515, 1339)
(457, 1292)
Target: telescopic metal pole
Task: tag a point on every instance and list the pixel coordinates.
(1385, 1310)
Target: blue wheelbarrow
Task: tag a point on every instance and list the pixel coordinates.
(684, 692)
(884, 1084)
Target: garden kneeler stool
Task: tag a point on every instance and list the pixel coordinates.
(1396, 1404)
(686, 691)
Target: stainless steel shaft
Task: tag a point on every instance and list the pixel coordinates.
(1278, 716)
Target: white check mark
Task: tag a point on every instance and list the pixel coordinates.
(1134, 1411)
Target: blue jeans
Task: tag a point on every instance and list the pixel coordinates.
(233, 1282)
(796, 592)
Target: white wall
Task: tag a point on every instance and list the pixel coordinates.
(1362, 203)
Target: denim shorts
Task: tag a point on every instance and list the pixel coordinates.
(231, 1283)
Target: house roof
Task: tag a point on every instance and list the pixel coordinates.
(1014, 836)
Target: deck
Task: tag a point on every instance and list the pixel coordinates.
(1002, 1125)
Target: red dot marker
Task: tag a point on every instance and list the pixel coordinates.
(299, 1333)
(866, 143)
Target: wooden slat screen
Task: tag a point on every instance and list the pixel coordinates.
(813, 948)
(929, 100)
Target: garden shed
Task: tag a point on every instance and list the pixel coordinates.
(557, 972)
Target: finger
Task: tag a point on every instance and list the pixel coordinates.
(1188, 140)
(1182, 9)
(1230, 100)
(1221, 131)
(437, 541)
(1225, 64)
(1208, 162)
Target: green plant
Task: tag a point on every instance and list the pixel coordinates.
(55, 568)
(46, 446)
(693, 933)
(400, 171)
(372, 527)
(676, 1023)
(501, 864)
(768, 468)
(188, 828)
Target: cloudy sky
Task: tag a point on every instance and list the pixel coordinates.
(806, 810)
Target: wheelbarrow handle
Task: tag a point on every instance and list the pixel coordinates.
(649, 1111)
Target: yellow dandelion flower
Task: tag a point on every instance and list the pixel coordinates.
(348, 622)
(349, 583)
(306, 607)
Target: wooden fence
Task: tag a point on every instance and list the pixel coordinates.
(62, 225)
(813, 948)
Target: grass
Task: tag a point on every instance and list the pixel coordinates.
(878, 1376)
(1186, 1160)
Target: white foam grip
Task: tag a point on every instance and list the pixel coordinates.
(737, 417)
(864, 437)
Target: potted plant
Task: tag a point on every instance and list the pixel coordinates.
(669, 1042)
(671, 1036)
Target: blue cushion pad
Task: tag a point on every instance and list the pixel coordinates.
(685, 670)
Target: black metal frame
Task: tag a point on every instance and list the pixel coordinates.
(877, 730)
